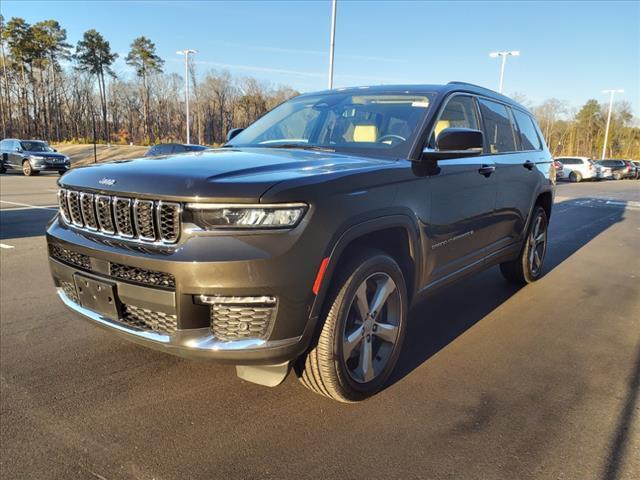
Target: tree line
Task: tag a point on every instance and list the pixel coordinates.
(59, 92)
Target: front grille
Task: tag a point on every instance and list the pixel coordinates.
(137, 219)
(142, 276)
(69, 256)
(236, 322)
(69, 290)
(145, 319)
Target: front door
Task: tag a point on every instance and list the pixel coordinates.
(461, 224)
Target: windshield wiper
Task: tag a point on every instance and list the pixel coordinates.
(302, 146)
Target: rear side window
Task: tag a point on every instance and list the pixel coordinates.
(528, 135)
(497, 127)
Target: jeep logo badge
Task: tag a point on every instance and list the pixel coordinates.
(106, 181)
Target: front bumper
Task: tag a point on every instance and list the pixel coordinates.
(226, 266)
(50, 167)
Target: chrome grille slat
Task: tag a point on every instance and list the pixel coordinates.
(88, 212)
(122, 216)
(169, 221)
(73, 200)
(142, 220)
(105, 218)
(143, 216)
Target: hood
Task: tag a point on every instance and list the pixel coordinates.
(241, 174)
(44, 154)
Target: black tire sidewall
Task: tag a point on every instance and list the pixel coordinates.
(374, 264)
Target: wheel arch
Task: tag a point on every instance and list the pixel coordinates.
(396, 235)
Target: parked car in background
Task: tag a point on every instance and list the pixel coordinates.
(31, 157)
(633, 169)
(614, 169)
(637, 165)
(559, 168)
(171, 148)
(577, 169)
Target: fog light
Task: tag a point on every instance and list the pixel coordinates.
(238, 318)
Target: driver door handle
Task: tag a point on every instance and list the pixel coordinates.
(529, 165)
(486, 170)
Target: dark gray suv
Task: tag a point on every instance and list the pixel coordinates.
(301, 244)
(31, 157)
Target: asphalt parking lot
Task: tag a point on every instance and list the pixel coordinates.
(494, 382)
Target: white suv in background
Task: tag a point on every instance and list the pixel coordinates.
(577, 169)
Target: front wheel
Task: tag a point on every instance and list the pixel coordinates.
(527, 268)
(27, 170)
(363, 330)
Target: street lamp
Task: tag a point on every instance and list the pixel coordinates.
(186, 84)
(606, 131)
(332, 41)
(504, 55)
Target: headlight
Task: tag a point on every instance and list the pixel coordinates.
(213, 216)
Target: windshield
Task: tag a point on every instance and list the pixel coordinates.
(376, 124)
(36, 147)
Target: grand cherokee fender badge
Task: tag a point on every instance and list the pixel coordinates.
(106, 181)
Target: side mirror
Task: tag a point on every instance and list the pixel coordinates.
(233, 132)
(456, 143)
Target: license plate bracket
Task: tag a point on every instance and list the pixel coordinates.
(97, 295)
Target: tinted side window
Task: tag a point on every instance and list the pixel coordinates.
(497, 127)
(528, 136)
(178, 149)
(460, 112)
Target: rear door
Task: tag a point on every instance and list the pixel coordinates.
(516, 150)
(460, 226)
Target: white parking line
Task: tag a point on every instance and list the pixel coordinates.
(43, 207)
(4, 245)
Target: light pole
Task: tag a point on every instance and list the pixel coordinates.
(332, 41)
(606, 130)
(186, 84)
(504, 55)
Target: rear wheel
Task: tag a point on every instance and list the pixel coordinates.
(527, 267)
(617, 176)
(575, 177)
(363, 330)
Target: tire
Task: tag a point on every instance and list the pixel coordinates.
(617, 176)
(575, 177)
(27, 170)
(527, 268)
(324, 369)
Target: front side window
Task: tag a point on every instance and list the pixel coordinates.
(383, 124)
(460, 112)
(528, 135)
(498, 129)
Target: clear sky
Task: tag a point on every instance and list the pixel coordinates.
(570, 50)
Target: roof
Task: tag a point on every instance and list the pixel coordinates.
(454, 86)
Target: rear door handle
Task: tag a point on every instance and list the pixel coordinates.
(529, 165)
(486, 170)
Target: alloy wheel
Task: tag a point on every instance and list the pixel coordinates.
(371, 328)
(537, 245)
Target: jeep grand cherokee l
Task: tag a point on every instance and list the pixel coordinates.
(301, 244)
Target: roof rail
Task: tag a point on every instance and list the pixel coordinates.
(455, 82)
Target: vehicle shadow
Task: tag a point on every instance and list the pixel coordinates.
(21, 223)
(441, 317)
